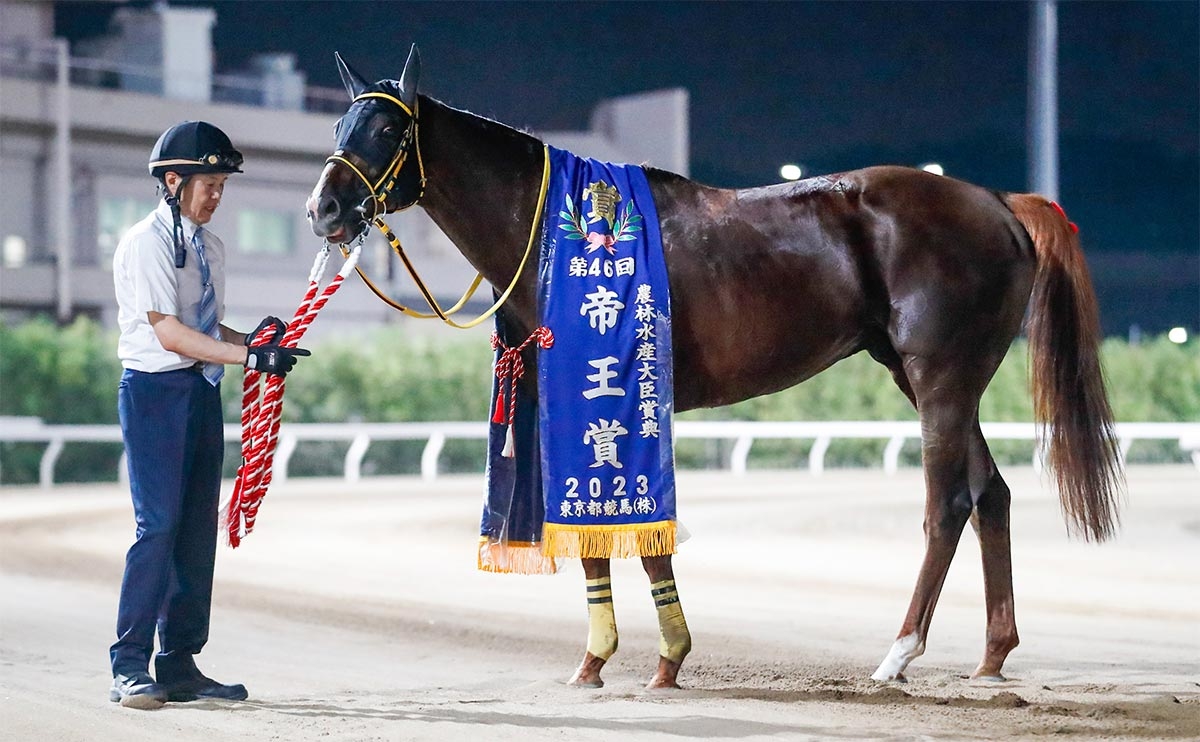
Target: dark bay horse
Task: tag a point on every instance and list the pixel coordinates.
(769, 286)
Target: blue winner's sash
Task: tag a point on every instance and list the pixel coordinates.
(605, 387)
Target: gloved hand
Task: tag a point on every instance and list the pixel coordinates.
(268, 321)
(273, 359)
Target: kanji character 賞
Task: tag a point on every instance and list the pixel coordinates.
(603, 439)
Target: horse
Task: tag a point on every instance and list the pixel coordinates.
(930, 275)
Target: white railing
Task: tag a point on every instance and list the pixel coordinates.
(435, 435)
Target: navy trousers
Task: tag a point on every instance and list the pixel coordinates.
(172, 426)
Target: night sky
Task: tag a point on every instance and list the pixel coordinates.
(831, 85)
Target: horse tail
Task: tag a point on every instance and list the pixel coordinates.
(1070, 404)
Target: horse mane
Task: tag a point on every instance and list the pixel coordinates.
(476, 121)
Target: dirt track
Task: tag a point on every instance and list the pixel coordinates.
(357, 614)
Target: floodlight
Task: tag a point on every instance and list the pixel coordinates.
(791, 172)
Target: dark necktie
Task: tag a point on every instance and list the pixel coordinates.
(208, 309)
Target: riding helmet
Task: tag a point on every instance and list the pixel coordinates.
(194, 147)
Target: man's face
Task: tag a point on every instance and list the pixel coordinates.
(201, 196)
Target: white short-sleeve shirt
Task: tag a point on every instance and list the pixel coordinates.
(146, 280)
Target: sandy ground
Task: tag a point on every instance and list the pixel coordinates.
(356, 613)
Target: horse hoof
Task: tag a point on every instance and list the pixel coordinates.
(662, 684)
(997, 678)
(585, 678)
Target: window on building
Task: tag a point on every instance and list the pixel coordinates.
(117, 215)
(265, 232)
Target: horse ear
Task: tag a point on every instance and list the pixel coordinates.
(408, 78)
(353, 81)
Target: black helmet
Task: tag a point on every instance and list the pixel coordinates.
(194, 147)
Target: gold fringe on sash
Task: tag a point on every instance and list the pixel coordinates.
(514, 557)
(606, 542)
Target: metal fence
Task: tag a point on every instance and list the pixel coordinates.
(435, 434)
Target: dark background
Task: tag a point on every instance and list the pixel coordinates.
(830, 85)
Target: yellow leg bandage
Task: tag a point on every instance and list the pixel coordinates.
(675, 641)
(602, 621)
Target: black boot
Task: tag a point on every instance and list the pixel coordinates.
(183, 682)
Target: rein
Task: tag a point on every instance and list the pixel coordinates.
(378, 193)
(262, 410)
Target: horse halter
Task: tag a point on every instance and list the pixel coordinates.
(351, 141)
(379, 191)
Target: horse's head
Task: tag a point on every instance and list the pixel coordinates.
(375, 167)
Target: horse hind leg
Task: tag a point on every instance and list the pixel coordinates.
(991, 523)
(602, 624)
(946, 420)
(675, 641)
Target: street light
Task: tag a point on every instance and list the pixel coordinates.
(1177, 335)
(933, 167)
(791, 171)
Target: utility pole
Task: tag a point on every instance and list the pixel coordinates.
(63, 208)
(1043, 99)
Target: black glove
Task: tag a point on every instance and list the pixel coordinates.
(268, 321)
(273, 359)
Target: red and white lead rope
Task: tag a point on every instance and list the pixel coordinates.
(262, 410)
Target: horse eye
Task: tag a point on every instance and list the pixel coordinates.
(390, 131)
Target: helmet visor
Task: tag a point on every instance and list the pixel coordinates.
(225, 160)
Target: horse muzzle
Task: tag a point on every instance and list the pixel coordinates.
(330, 220)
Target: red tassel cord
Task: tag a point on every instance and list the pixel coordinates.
(510, 367)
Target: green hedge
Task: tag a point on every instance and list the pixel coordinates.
(62, 375)
(69, 375)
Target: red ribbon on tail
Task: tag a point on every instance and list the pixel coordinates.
(1074, 227)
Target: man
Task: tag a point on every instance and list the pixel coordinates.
(169, 275)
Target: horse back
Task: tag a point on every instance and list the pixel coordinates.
(771, 285)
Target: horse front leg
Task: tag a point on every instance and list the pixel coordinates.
(675, 641)
(602, 624)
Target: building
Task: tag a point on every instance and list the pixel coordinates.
(77, 126)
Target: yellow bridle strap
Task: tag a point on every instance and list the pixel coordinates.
(385, 96)
(439, 313)
(379, 195)
(391, 171)
(338, 158)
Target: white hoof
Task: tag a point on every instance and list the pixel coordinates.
(904, 650)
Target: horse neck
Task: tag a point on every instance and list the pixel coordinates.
(482, 184)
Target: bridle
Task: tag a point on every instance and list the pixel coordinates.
(378, 194)
(379, 191)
